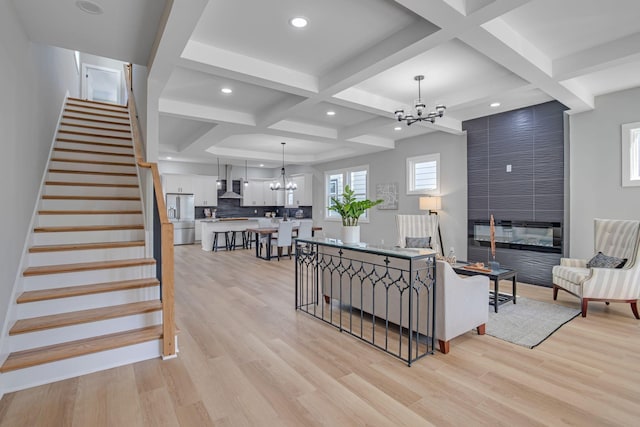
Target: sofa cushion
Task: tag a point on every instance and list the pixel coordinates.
(417, 242)
(603, 261)
(575, 275)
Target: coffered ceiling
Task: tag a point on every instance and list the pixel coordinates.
(358, 58)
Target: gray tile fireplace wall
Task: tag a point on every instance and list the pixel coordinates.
(515, 164)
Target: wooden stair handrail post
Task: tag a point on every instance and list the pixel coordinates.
(166, 234)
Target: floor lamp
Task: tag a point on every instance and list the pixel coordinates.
(433, 204)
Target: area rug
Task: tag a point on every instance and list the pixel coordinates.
(529, 322)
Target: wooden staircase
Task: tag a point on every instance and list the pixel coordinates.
(90, 298)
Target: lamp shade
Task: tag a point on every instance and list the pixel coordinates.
(433, 203)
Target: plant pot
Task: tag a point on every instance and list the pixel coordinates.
(351, 234)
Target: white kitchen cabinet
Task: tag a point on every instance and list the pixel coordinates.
(252, 194)
(177, 183)
(205, 190)
(303, 195)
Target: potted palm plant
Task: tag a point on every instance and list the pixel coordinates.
(350, 209)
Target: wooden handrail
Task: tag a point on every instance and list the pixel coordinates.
(166, 227)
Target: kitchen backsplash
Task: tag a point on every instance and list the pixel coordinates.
(231, 208)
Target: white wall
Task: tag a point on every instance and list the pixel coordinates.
(390, 166)
(33, 81)
(595, 168)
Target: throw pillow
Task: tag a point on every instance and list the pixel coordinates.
(603, 261)
(417, 242)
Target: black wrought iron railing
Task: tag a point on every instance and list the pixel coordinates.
(384, 296)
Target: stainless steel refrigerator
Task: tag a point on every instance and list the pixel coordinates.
(180, 210)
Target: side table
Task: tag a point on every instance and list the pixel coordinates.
(495, 297)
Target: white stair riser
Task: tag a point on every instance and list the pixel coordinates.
(125, 143)
(37, 339)
(93, 255)
(79, 190)
(71, 237)
(51, 281)
(98, 132)
(89, 219)
(93, 147)
(85, 177)
(79, 116)
(90, 167)
(69, 368)
(74, 119)
(86, 302)
(87, 108)
(66, 204)
(94, 157)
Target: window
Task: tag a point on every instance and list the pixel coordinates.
(631, 154)
(357, 178)
(423, 174)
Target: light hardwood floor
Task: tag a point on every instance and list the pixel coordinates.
(248, 358)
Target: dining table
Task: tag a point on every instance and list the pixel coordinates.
(268, 232)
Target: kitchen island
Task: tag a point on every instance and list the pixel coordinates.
(224, 225)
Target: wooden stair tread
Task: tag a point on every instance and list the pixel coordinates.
(73, 132)
(68, 228)
(92, 152)
(91, 101)
(24, 326)
(87, 266)
(74, 291)
(87, 212)
(52, 353)
(92, 162)
(78, 125)
(118, 115)
(97, 107)
(99, 143)
(85, 246)
(92, 172)
(89, 184)
(90, 119)
(69, 197)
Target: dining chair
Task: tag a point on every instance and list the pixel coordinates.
(264, 223)
(285, 230)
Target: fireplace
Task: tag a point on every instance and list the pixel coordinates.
(534, 236)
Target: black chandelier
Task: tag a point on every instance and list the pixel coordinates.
(419, 107)
(286, 184)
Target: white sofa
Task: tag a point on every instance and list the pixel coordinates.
(462, 303)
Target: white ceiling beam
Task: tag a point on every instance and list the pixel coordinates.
(207, 58)
(179, 25)
(598, 58)
(305, 129)
(204, 113)
(364, 127)
(496, 49)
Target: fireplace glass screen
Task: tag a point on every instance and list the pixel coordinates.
(526, 235)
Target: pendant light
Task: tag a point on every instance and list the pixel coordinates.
(287, 184)
(218, 181)
(246, 175)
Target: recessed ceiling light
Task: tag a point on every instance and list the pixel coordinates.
(89, 7)
(169, 157)
(331, 113)
(494, 104)
(397, 128)
(298, 22)
(226, 90)
(261, 165)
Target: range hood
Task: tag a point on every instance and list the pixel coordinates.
(229, 194)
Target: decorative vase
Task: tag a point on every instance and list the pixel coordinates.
(351, 234)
